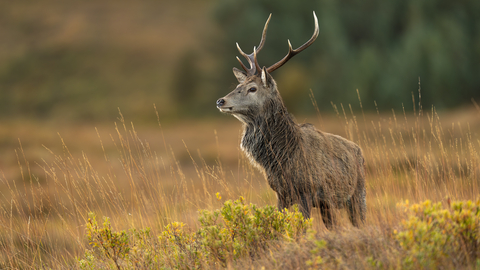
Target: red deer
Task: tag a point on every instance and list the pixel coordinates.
(303, 165)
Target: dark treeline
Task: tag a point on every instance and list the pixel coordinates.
(381, 48)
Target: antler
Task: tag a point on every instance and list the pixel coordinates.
(252, 58)
(292, 52)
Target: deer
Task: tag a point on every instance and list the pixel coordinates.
(303, 165)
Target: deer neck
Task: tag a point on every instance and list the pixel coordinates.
(271, 135)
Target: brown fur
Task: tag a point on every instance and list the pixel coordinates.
(302, 165)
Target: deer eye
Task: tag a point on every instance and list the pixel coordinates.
(252, 89)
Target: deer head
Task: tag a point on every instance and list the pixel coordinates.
(256, 85)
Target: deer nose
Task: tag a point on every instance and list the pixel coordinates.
(220, 102)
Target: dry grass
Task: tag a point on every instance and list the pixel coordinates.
(148, 177)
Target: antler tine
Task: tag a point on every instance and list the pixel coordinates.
(255, 51)
(241, 52)
(241, 63)
(264, 34)
(250, 70)
(252, 58)
(292, 52)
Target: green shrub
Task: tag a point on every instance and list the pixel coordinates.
(433, 235)
(238, 230)
(180, 249)
(235, 231)
(111, 246)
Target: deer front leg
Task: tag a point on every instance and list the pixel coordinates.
(282, 202)
(304, 206)
(327, 214)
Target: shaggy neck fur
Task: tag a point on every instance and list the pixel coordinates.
(271, 137)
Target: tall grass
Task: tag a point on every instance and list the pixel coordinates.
(411, 156)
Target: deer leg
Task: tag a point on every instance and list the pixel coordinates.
(356, 207)
(352, 212)
(282, 202)
(304, 206)
(357, 204)
(327, 215)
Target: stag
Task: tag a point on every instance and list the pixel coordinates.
(303, 165)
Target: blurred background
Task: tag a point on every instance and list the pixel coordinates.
(79, 61)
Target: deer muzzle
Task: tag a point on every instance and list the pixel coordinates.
(220, 102)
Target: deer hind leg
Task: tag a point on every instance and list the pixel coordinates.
(357, 207)
(357, 204)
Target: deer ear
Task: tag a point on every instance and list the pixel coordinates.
(241, 76)
(266, 77)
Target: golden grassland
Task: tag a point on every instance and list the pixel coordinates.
(153, 175)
